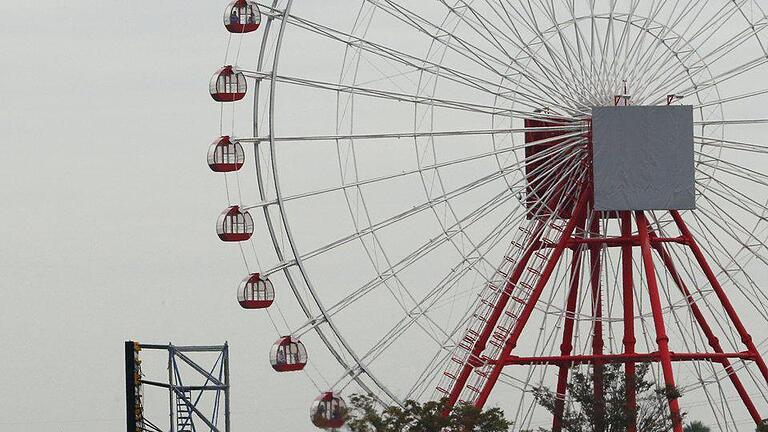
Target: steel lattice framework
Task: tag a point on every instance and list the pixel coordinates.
(188, 385)
(386, 167)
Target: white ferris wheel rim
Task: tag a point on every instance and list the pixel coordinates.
(357, 369)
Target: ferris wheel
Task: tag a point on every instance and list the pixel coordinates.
(472, 199)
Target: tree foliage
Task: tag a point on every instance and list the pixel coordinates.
(586, 413)
(583, 412)
(365, 415)
(696, 426)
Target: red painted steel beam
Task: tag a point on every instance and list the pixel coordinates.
(746, 338)
(571, 360)
(567, 345)
(492, 320)
(595, 267)
(629, 318)
(658, 318)
(713, 341)
(522, 320)
(615, 241)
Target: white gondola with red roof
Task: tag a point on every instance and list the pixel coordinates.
(288, 354)
(228, 85)
(234, 225)
(256, 292)
(328, 411)
(242, 16)
(225, 155)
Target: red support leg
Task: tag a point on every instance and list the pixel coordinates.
(629, 318)
(490, 324)
(511, 342)
(567, 346)
(597, 313)
(732, 315)
(705, 327)
(658, 319)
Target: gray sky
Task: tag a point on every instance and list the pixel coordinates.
(108, 224)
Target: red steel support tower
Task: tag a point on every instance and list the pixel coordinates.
(579, 232)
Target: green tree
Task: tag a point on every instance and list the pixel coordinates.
(585, 413)
(365, 415)
(696, 426)
(762, 427)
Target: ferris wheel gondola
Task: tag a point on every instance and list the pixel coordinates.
(288, 355)
(234, 225)
(225, 155)
(242, 16)
(228, 85)
(256, 292)
(328, 411)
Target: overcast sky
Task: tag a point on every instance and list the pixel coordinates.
(108, 211)
(107, 227)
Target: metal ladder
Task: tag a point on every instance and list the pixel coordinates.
(520, 294)
(184, 414)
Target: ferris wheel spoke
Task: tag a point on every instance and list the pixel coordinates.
(430, 302)
(585, 97)
(623, 43)
(607, 85)
(595, 43)
(421, 64)
(733, 228)
(415, 256)
(379, 179)
(574, 55)
(440, 35)
(465, 265)
(462, 47)
(494, 290)
(709, 28)
(389, 221)
(669, 77)
(361, 90)
(579, 51)
(721, 15)
(368, 287)
(736, 198)
(728, 230)
(433, 297)
(608, 39)
(382, 94)
(412, 315)
(705, 62)
(726, 269)
(716, 80)
(639, 56)
(679, 38)
(633, 55)
(558, 82)
(417, 209)
(724, 100)
(716, 247)
(465, 132)
(742, 122)
(636, 54)
(422, 251)
(735, 170)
